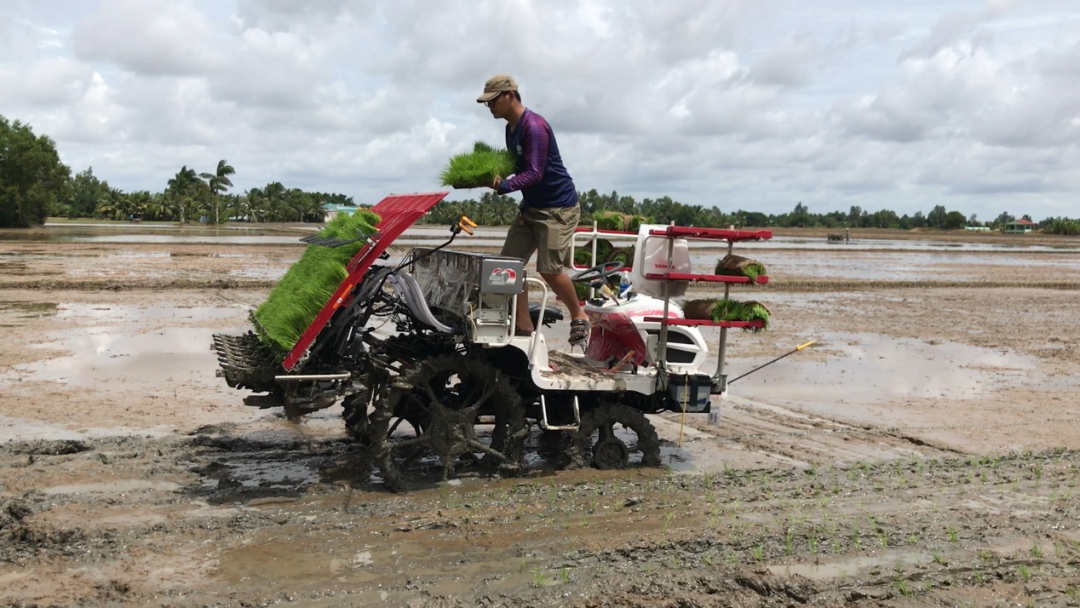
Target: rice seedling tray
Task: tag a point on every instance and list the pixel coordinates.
(705, 323)
(712, 233)
(704, 278)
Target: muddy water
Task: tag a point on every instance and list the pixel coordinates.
(891, 465)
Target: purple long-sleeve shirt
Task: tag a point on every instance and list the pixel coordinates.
(540, 174)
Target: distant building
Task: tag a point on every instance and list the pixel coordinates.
(332, 210)
(1019, 227)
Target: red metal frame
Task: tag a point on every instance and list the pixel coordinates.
(711, 233)
(396, 212)
(589, 230)
(705, 278)
(703, 322)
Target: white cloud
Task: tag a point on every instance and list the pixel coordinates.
(730, 102)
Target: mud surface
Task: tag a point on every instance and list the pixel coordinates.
(925, 452)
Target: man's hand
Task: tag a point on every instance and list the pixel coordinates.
(496, 183)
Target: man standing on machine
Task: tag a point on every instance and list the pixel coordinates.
(549, 201)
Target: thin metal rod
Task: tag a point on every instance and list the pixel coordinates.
(661, 356)
(344, 376)
(797, 349)
(539, 319)
(722, 354)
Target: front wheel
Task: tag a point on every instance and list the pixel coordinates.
(442, 399)
(613, 436)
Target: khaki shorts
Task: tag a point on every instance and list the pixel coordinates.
(546, 231)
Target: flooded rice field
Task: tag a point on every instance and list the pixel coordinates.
(924, 452)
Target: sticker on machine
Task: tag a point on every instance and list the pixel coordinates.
(502, 276)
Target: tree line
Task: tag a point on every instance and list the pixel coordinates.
(494, 209)
(34, 184)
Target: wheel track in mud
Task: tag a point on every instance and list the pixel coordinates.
(930, 530)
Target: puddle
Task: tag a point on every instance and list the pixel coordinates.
(140, 254)
(29, 310)
(300, 559)
(267, 273)
(274, 474)
(114, 487)
(870, 368)
(888, 560)
(110, 348)
(105, 355)
(139, 315)
(21, 429)
(903, 266)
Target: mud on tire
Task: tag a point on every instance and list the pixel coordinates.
(441, 398)
(596, 444)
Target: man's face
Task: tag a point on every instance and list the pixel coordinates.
(500, 105)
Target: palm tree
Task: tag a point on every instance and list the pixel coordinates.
(181, 188)
(111, 204)
(219, 182)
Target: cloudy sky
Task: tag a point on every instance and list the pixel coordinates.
(755, 104)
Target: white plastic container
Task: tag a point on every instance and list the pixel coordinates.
(650, 257)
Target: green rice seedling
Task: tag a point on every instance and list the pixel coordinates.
(310, 283)
(758, 552)
(565, 575)
(609, 220)
(539, 578)
(902, 587)
(1036, 550)
(938, 559)
(726, 310)
(670, 515)
(954, 536)
(1025, 572)
(477, 168)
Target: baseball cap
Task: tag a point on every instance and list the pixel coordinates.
(496, 85)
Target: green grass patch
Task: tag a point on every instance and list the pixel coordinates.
(309, 284)
(477, 168)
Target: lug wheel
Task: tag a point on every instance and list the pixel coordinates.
(442, 399)
(613, 436)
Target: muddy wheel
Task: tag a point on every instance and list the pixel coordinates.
(355, 413)
(441, 399)
(613, 436)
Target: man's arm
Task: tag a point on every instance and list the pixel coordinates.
(534, 149)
